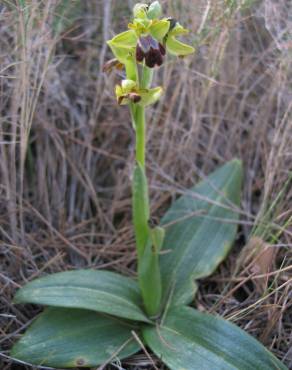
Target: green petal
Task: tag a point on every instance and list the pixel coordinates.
(178, 48)
(159, 29)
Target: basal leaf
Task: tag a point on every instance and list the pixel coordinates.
(191, 340)
(72, 338)
(200, 229)
(101, 291)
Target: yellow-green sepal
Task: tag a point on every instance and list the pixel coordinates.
(123, 44)
(150, 96)
(175, 46)
(178, 48)
(159, 29)
(178, 30)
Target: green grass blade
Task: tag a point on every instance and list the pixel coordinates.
(71, 338)
(101, 291)
(193, 340)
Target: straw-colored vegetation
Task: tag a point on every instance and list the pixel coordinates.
(66, 149)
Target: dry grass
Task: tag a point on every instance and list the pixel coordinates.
(66, 152)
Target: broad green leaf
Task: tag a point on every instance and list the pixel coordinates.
(72, 338)
(185, 295)
(101, 291)
(200, 229)
(191, 340)
(141, 212)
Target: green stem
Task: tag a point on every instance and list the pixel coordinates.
(139, 117)
(147, 76)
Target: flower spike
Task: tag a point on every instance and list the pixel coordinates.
(142, 48)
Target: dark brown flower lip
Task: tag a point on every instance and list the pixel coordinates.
(151, 50)
(134, 97)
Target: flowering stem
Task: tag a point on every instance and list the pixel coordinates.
(148, 258)
(147, 76)
(139, 118)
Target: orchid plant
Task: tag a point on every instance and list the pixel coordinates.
(95, 317)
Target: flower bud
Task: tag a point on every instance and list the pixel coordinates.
(154, 10)
(128, 92)
(140, 10)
